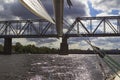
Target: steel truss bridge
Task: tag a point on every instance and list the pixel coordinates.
(38, 28)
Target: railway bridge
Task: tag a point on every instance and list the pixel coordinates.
(105, 26)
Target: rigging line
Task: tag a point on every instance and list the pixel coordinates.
(76, 30)
(113, 62)
(112, 68)
(69, 3)
(109, 64)
(101, 66)
(101, 54)
(64, 22)
(94, 47)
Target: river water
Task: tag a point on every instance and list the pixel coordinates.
(51, 67)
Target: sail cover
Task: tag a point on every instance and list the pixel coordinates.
(36, 7)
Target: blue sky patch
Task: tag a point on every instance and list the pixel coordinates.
(115, 12)
(93, 12)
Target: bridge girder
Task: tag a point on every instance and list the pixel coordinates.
(95, 25)
(42, 28)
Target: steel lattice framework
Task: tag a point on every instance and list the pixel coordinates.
(95, 26)
(39, 28)
(27, 29)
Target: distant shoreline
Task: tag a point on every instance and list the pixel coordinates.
(32, 49)
(111, 52)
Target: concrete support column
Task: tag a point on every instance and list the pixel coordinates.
(7, 45)
(64, 46)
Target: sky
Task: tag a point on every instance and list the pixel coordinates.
(13, 10)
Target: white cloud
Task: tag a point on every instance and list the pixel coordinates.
(106, 5)
(106, 42)
(9, 1)
(53, 44)
(104, 14)
(75, 46)
(23, 41)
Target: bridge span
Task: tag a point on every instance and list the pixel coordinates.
(108, 26)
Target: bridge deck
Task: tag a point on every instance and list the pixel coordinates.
(56, 36)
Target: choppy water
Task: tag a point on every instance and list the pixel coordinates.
(51, 67)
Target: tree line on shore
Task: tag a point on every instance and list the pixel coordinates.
(19, 48)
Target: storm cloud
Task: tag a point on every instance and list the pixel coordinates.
(12, 9)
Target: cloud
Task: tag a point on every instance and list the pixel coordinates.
(9, 1)
(48, 42)
(106, 5)
(43, 40)
(79, 8)
(23, 41)
(101, 42)
(12, 9)
(105, 14)
(106, 42)
(19, 10)
(55, 44)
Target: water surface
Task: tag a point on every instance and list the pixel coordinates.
(51, 67)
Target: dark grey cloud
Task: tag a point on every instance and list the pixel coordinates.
(19, 10)
(78, 9)
(5, 13)
(15, 9)
(49, 7)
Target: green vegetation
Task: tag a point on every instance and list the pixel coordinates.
(20, 49)
(1, 48)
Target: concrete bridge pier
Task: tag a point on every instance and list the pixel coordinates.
(7, 46)
(64, 46)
